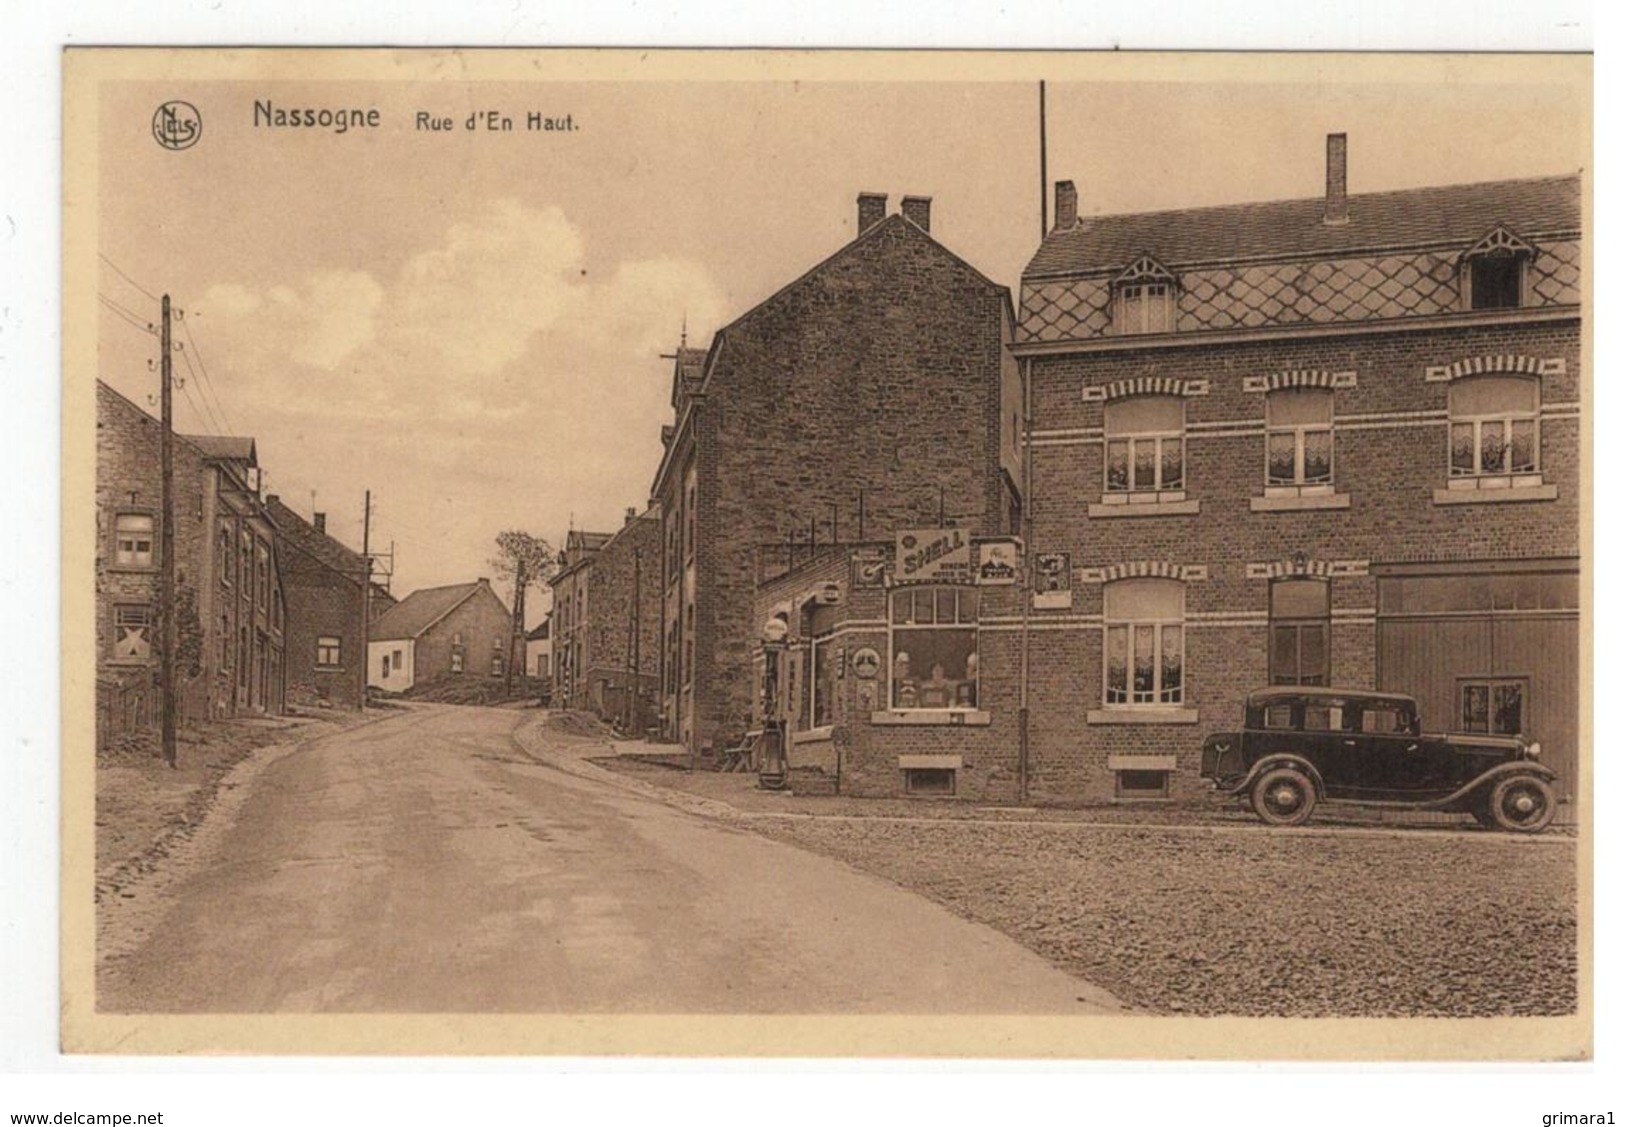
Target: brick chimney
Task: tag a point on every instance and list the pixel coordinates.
(631, 515)
(1066, 205)
(871, 210)
(917, 210)
(1337, 178)
(320, 521)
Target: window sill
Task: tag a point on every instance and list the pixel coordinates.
(1132, 715)
(930, 763)
(813, 735)
(1141, 763)
(1299, 503)
(1491, 496)
(131, 569)
(906, 717)
(1180, 508)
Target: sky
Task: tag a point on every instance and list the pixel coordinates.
(470, 324)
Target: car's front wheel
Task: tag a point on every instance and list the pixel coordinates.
(1283, 797)
(1522, 804)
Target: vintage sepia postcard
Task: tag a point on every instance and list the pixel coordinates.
(827, 554)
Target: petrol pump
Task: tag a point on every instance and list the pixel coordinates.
(773, 772)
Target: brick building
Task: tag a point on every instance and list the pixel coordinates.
(462, 630)
(900, 673)
(230, 612)
(1325, 441)
(621, 623)
(871, 394)
(572, 640)
(322, 582)
(1330, 441)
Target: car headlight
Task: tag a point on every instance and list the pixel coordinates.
(1534, 750)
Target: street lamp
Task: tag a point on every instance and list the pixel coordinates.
(774, 772)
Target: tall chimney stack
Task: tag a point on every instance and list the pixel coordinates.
(1066, 205)
(871, 210)
(917, 210)
(320, 521)
(1337, 178)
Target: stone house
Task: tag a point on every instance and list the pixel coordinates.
(874, 393)
(230, 607)
(572, 640)
(622, 624)
(322, 582)
(462, 630)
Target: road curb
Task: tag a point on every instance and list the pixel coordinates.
(530, 741)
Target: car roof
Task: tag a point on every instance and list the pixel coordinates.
(1277, 692)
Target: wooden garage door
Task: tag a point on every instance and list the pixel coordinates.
(1435, 659)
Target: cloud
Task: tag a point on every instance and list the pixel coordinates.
(475, 302)
(489, 378)
(323, 321)
(506, 284)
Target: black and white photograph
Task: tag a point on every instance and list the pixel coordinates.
(735, 554)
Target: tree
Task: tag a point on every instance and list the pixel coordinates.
(528, 561)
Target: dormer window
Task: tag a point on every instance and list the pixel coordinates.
(1497, 282)
(1492, 271)
(1144, 299)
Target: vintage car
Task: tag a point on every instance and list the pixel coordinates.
(1301, 746)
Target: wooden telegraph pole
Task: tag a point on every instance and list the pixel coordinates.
(166, 549)
(516, 632)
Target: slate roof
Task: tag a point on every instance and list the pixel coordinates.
(420, 610)
(224, 446)
(540, 632)
(1458, 213)
(303, 537)
(579, 541)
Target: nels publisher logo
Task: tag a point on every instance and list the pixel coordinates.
(177, 125)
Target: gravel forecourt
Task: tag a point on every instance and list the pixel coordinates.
(1247, 920)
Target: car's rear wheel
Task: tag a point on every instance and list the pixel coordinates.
(1522, 804)
(1283, 797)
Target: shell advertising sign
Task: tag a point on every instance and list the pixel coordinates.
(934, 555)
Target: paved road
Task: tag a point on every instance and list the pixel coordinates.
(425, 864)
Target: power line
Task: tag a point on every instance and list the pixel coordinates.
(129, 318)
(186, 326)
(126, 277)
(207, 411)
(202, 411)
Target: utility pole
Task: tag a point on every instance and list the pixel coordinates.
(366, 596)
(166, 575)
(520, 581)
